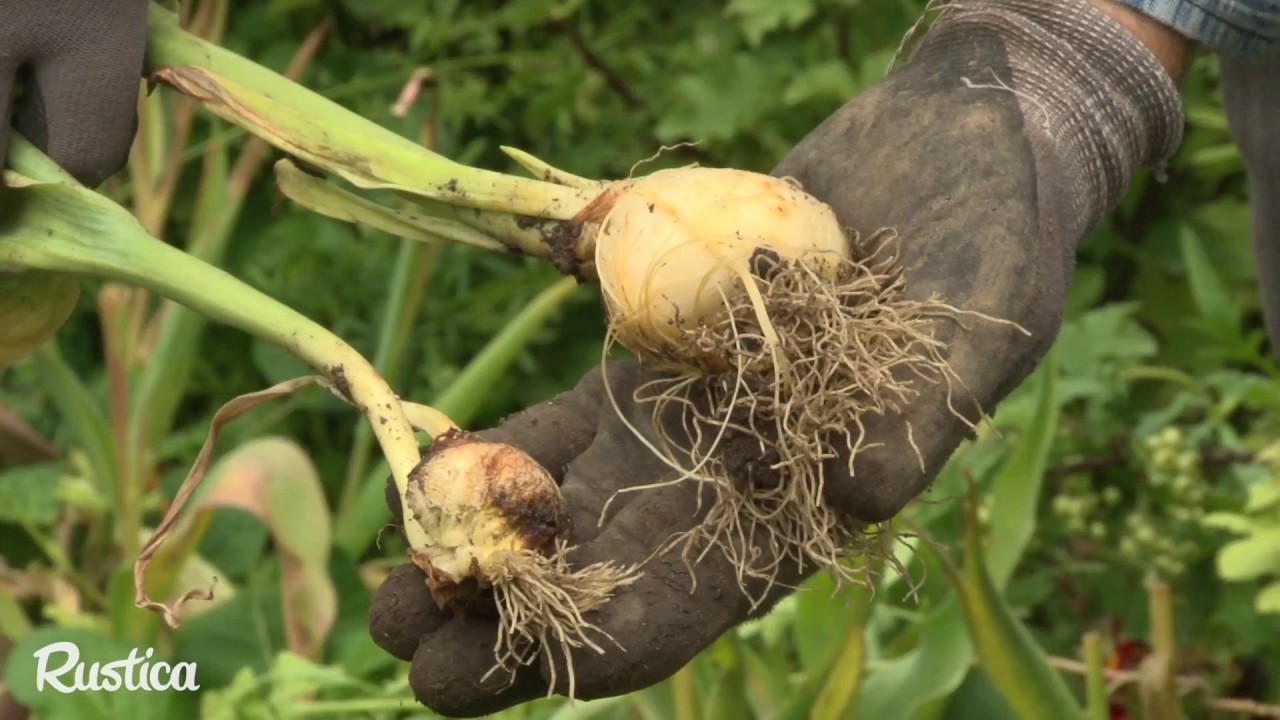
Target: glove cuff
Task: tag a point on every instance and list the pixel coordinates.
(1091, 92)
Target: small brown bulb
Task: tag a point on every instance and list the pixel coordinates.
(479, 503)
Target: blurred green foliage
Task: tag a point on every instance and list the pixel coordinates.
(1145, 449)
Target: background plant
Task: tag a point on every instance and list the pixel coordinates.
(1126, 493)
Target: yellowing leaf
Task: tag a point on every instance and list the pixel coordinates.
(1250, 557)
(325, 198)
(1232, 522)
(1268, 599)
(1263, 496)
(274, 480)
(365, 154)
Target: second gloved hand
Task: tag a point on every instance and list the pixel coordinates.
(80, 63)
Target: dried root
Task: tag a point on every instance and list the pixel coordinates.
(541, 602)
(803, 376)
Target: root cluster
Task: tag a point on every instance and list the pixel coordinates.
(759, 436)
(541, 599)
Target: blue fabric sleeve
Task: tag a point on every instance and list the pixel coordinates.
(1246, 28)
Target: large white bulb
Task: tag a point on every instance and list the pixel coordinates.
(670, 250)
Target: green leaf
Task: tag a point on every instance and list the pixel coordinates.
(1211, 298)
(826, 82)
(930, 671)
(1010, 656)
(1268, 599)
(245, 632)
(910, 683)
(1101, 339)
(237, 700)
(14, 623)
(85, 418)
(840, 693)
(719, 102)
(1016, 489)
(1233, 522)
(727, 697)
(274, 480)
(1263, 496)
(1209, 117)
(816, 624)
(295, 678)
(766, 675)
(1224, 158)
(1250, 557)
(977, 697)
(291, 685)
(758, 18)
(29, 494)
(832, 680)
(1223, 225)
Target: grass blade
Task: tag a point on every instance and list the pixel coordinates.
(1210, 295)
(77, 406)
(1096, 700)
(1010, 657)
(907, 685)
(1016, 490)
(467, 394)
(840, 693)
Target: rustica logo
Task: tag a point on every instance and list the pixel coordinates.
(135, 672)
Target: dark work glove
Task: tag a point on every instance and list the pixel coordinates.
(1014, 127)
(80, 63)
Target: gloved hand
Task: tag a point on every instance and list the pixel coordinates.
(993, 152)
(80, 63)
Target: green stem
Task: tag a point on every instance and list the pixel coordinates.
(173, 356)
(61, 226)
(408, 285)
(1157, 374)
(539, 168)
(323, 196)
(118, 346)
(433, 221)
(1095, 682)
(309, 126)
(1163, 650)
